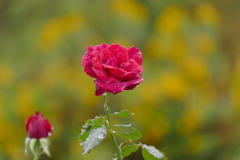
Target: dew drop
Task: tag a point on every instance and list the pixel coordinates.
(101, 137)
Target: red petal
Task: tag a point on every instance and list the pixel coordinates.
(135, 54)
(120, 52)
(117, 87)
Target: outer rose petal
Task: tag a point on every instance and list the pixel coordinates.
(116, 87)
(87, 63)
(135, 54)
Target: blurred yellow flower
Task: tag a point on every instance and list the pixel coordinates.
(6, 75)
(190, 121)
(155, 47)
(49, 76)
(50, 33)
(173, 85)
(24, 100)
(150, 92)
(130, 8)
(123, 41)
(205, 43)
(235, 88)
(155, 131)
(206, 12)
(170, 20)
(55, 28)
(196, 144)
(71, 22)
(178, 49)
(195, 69)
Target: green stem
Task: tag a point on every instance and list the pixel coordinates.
(107, 112)
(37, 151)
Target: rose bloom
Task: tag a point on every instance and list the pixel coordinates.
(38, 127)
(114, 67)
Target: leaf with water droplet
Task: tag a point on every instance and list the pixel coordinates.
(151, 153)
(89, 125)
(94, 139)
(122, 114)
(93, 132)
(135, 134)
(126, 150)
(124, 125)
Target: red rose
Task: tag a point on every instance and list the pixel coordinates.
(115, 68)
(38, 127)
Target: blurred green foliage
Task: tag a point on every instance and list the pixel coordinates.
(188, 106)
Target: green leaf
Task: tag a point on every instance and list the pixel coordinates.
(122, 114)
(135, 134)
(95, 138)
(123, 125)
(89, 125)
(45, 145)
(128, 149)
(27, 140)
(151, 153)
(32, 143)
(93, 132)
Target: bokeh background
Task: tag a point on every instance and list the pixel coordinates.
(188, 106)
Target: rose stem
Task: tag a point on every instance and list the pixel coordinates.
(107, 112)
(37, 150)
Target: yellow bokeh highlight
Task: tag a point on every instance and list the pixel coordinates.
(144, 110)
(156, 130)
(150, 92)
(57, 27)
(190, 121)
(155, 47)
(165, 47)
(235, 89)
(195, 69)
(173, 85)
(24, 100)
(206, 12)
(178, 49)
(205, 43)
(196, 144)
(6, 75)
(123, 41)
(131, 9)
(49, 76)
(170, 20)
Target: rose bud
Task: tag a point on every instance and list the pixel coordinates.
(114, 67)
(38, 127)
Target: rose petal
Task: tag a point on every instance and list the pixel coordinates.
(135, 54)
(132, 65)
(101, 47)
(108, 57)
(121, 53)
(116, 87)
(86, 62)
